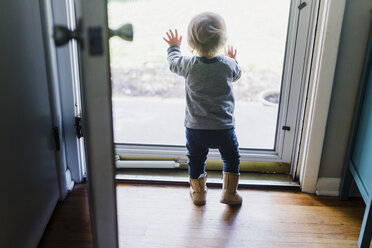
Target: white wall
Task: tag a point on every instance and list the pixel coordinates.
(28, 184)
(353, 45)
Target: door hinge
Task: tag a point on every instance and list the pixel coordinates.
(302, 5)
(286, 128)
(79, 127)
(56, 138)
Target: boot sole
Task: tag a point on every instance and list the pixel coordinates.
(199, 203)
(231, 202)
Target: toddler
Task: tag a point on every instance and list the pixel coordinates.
(209, 117)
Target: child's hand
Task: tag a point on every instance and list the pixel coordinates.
(231, 52)
(173, 39)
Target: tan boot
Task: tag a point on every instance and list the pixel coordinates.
(198, 189)
(230, 185)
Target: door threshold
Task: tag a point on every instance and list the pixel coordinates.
(180, 177)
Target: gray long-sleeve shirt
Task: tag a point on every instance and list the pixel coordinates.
(208, 86)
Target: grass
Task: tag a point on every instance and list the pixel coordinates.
(256, 28)
(139, 68)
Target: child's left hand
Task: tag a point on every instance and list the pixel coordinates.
(173, 39)
(231, 52)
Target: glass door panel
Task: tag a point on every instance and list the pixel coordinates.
(149, 101)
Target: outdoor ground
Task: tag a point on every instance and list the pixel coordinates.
(160, 121)
(140, 70)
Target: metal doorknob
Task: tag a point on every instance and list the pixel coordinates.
(125, 32)
(62, 35)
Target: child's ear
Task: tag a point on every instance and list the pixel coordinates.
(191, 44)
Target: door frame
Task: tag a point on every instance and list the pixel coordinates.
(295, 79)
(98, 119)
(322, 72)
(68, 85)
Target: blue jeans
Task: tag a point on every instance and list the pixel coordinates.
(198, 143)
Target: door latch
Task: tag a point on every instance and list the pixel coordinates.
(95, 41)
(302, 5)
(286, 128)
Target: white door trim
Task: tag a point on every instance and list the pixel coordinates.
(328, 186)
(319, 95)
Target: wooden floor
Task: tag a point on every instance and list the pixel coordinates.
(69, 225)
(164, 216)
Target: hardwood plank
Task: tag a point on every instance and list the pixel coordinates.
(164, 216)
(158, 216)
(69, 225)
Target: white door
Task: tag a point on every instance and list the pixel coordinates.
(97, 120)
(85, 40)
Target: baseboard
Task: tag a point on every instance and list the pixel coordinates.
(329, 186)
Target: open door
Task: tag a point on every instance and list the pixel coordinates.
(91, 17)
(86, 34)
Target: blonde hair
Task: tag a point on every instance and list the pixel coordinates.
(207, 33)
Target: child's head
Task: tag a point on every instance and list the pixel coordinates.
(207, 33)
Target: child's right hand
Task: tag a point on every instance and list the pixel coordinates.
(173, 40)
(231, 52)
